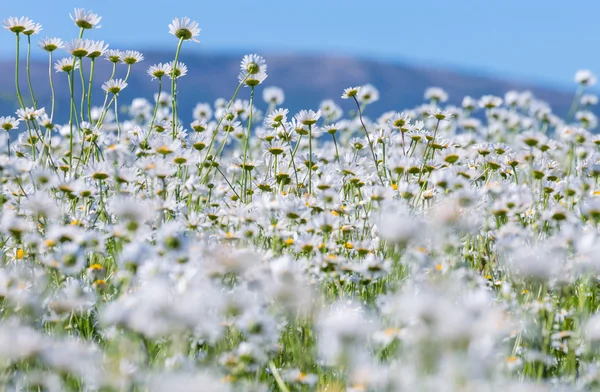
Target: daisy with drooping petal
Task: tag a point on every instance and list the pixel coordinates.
(184, 29)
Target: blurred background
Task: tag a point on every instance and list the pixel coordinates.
(315, 48)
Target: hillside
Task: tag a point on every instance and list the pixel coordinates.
(306, 80)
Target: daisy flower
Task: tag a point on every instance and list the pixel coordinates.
(252, 80)
(51, 44)
(308, 117)
(8, 123)
(185, 29)
(159, 70)
(131, 57)
(85, 20)
(351, 92)
(78, 47)
(35, 28)
(66, 65)
(114, 86)
(585, 77)
(28, 114)
(436, 94)
(97, 49)
(368, 94)
(253, 64)
(180, 69)
(273, 95)
(18, 25)
(439, 114)
(114, 56)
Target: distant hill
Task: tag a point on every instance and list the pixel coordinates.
(306, 80)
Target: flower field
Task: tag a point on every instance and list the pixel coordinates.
(435, 248)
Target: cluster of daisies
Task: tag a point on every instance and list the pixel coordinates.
(438, 248)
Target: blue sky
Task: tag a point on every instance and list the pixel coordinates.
(544, 41)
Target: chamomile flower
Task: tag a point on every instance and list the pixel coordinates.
(85, 20)
(97, 49)
(66, 65)
(30, 114)
(351, 92)
(114, 56)
(184, 29)
(114, 86)
(131, 57)
(35, 28)
(273, 95)
(179, 70)
(78, 47)
(585, 78)
(159, 70)
(8, 123)
(51, 44)
(18, 25)
(252, 80)
(308, 117)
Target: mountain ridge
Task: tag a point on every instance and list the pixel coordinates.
(306, 80)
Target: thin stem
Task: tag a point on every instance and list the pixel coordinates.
(310, 156)
(71, 106)
(51, 85)
(369, 140)
(293, 163)
(29, 71)
(82, 88)
(89, 97)
(19, 97)
(337, 153)
(277, 377)
(214, 135)
(247, 143)
(173, 92)
(117, 120)
(156, 105)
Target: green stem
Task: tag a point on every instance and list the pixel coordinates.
(155, 106)
(278, 378)
(29, 71)
(247, 143)
(82, 88)
(369, 140)
(310, 163)
(89, 97)
(19, 97)
(51, 85)
(173, 92)
(117, 120)
(71, 106)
